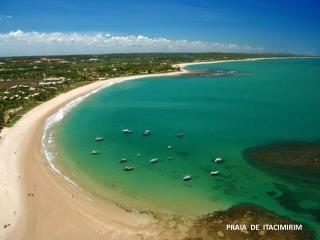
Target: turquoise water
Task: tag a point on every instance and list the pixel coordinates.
(261, 102)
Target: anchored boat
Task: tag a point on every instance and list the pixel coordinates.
(97, 139)
(214, 173)
(180, 135)
(146, 133)
(187, 178)
(154, 160)
(128, 168)
(126, 131)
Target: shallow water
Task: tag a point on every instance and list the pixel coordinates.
(220, 115)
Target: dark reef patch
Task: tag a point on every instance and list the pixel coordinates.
(296, 161)
(291, 159)
(271, 193)
(290, 202)
(213, 226)
(209, 73)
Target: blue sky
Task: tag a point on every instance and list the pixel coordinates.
(270, 26)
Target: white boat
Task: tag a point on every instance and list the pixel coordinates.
(187, 178)
(146, 133)
(180, 135)
(97, 139)
(126, 131)
(94, 152)
(214, 173)
(218, 160)
(169, 147)
(138, 154)
(123, 160)
(154, 160)
(128, 168)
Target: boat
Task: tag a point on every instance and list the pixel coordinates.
(126, 131)
(138, 154)
(154, 160)
(97, 139)
(180, 135)
(218, 160)
(169, 147)
(128, 168)
(123, 160)
(146, 133)
(187, 178)
(214, 173)
(94, 152)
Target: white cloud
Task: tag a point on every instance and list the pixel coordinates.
(42, 43)
(4, 17)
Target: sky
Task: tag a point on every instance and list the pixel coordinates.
(42, 27)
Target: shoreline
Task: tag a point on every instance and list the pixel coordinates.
(183, 65)
(36, 199)
(25, 173)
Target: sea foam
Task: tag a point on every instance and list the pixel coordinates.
(47, 140)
